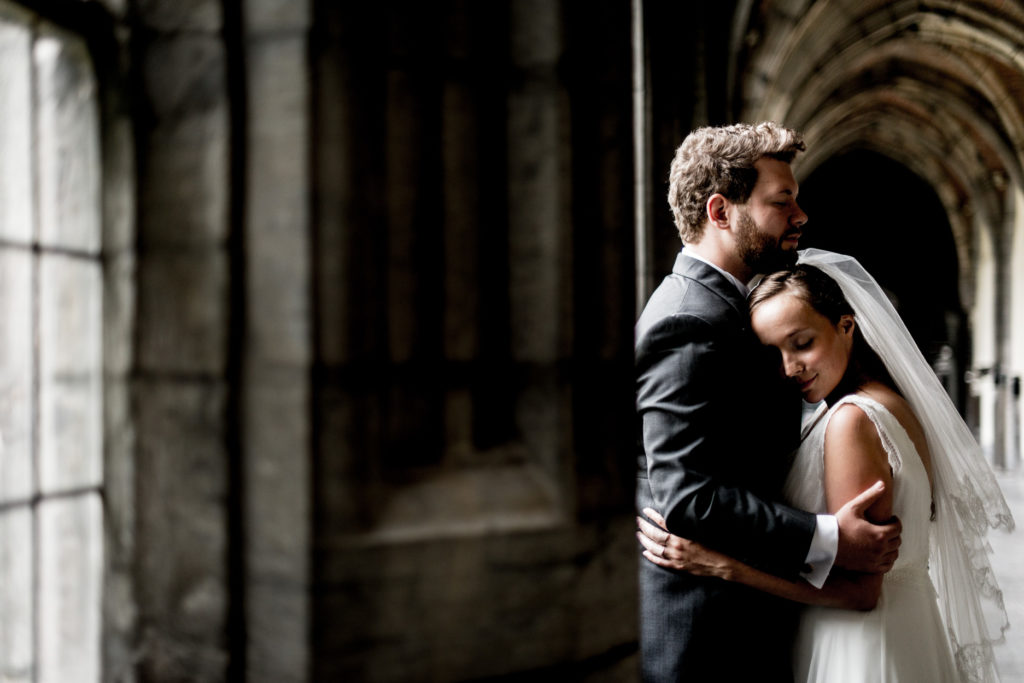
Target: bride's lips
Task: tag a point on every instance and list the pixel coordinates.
(804, 386)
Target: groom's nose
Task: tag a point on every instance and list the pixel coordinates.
(799, 218)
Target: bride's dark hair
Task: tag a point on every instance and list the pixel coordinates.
(821, 293)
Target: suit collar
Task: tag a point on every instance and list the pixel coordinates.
(709, 277)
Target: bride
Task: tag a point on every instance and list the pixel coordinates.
(885, 419)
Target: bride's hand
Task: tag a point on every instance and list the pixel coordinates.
(681, 554)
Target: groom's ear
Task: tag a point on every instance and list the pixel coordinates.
(717, 210)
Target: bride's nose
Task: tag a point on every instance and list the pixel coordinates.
(791, 366)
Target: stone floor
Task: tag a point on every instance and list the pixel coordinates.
(1008, 563)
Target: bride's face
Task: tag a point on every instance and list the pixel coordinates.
(815, 353)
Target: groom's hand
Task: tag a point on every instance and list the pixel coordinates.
(863, 545)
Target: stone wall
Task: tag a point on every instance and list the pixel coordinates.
(473, 470)
(381, 374)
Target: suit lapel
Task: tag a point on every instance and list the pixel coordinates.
(709, 278)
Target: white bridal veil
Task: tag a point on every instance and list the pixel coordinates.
(967, 497)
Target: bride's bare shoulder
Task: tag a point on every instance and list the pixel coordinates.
(898, 406)
(890, 399)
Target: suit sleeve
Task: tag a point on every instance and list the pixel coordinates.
(680, 398)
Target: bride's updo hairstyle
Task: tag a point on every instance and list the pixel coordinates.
(821, 293)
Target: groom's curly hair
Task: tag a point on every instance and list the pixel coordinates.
(720, 160)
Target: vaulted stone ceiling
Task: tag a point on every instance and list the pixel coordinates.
(937, 85)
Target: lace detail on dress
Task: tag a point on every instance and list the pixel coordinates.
(975, 662)
(892, 453)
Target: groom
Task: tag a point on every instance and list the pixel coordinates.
(716, 421)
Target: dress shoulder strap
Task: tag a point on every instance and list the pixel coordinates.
(885, 423)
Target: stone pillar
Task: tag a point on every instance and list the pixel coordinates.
(276, 412)
(119, 318)
(539, 231)
(181, 394)
(461, 205)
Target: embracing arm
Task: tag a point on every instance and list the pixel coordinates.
(844, 590)
(687, 403)
(858, 484)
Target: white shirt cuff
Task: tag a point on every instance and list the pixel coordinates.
(822, 553)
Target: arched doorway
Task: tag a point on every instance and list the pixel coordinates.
(867, 205)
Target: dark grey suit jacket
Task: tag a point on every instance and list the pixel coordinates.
(716, 425)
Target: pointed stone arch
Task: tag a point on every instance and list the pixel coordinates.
(937, 86)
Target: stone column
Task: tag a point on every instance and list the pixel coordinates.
(539, 229)
(181, 394)
(276, 412)
(119, 310)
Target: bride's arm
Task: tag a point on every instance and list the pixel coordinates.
(846, 590)
(854, 459)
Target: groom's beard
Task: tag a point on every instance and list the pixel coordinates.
(760, 251)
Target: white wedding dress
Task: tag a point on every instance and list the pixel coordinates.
(903, 639)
